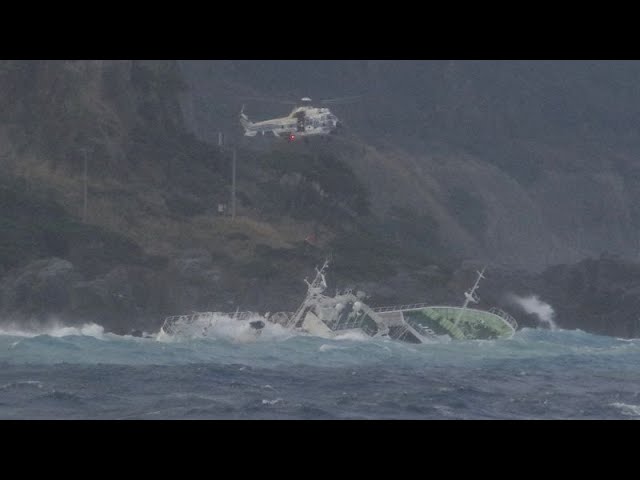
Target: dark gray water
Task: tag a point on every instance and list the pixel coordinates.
(539, 374)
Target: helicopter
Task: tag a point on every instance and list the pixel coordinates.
(304, 120)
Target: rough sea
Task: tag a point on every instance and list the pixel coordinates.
(229, 373)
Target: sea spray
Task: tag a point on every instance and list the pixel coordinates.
(224, 327)
(533, 305)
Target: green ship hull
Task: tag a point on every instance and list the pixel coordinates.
(459, 323)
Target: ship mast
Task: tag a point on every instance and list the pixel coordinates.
(314, 289)
(471, 296)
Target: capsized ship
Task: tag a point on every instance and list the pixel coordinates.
(418, 323)
(345, 313)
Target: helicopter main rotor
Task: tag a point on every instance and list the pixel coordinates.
(307, 100)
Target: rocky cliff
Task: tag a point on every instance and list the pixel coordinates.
(521, 165)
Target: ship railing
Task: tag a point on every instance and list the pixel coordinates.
(505, 316)
(394, 308)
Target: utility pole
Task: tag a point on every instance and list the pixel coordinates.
(223, 148)
(84, 206)
(233, 186)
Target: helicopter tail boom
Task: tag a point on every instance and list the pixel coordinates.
(246, 124)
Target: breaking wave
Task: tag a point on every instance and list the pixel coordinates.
(226, 327)
(54, 329)
(626, 409)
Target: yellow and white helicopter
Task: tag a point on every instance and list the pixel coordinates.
(304, 120)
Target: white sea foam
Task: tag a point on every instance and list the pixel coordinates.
(325, 347)
(627, 409)
(226, 327)
(54, 329)
(20, 383)
(356, 335)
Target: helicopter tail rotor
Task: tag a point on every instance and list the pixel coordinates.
(243, 118)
